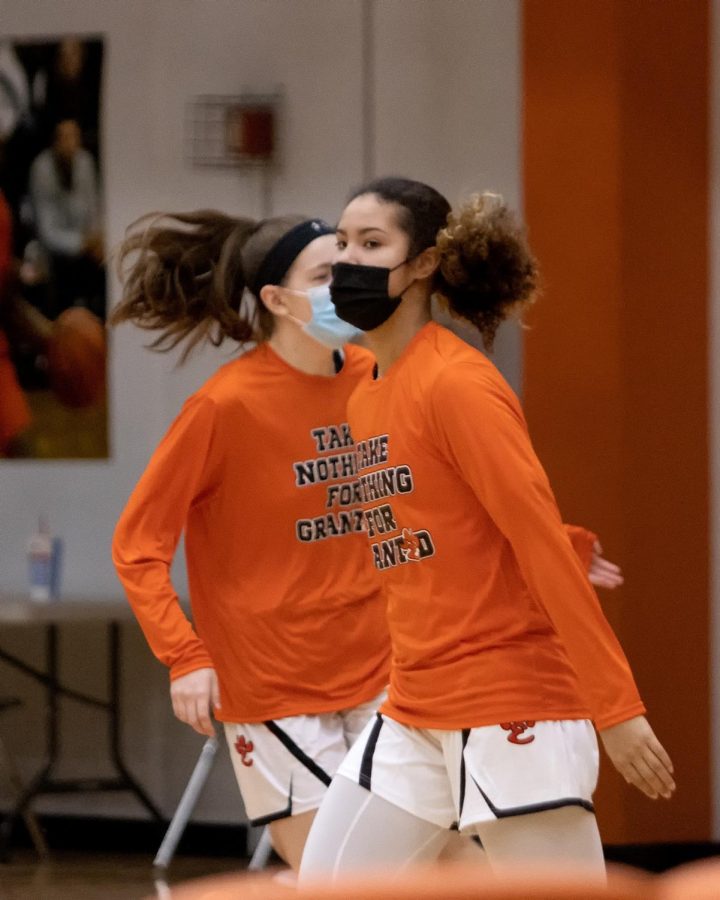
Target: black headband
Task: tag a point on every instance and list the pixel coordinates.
(284, 253)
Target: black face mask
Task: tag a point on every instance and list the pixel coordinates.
(360, 294)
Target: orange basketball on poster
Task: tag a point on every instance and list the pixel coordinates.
(77, 353)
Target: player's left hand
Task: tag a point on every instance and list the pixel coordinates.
(603, 573)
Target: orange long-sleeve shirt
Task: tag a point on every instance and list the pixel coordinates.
(258, 470)
(491, 614)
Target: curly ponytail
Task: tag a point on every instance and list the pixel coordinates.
(185, 275)
(487, 270)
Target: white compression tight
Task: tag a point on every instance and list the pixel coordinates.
(355, 830)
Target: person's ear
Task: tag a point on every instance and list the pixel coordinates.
(425, 264)
(273, 299)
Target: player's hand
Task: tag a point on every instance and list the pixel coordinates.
(603, 573)
(94, 247)
(639, 757)
(194, 697)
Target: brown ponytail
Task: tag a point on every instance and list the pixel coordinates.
(487, 270)
(185, 275)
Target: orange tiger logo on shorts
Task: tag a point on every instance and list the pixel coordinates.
(516, 729)
(244, 748)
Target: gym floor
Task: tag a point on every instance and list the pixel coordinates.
(70, 875)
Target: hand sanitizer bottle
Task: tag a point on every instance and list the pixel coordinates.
(40, 556)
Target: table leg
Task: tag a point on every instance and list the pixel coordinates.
(44, 782)
(43, 779)
(115, 722)
(187, 804)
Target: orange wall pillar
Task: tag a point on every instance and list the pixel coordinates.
(616, 199)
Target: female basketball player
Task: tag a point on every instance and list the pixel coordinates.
(290, 647)
(501, 653)
(257, 471)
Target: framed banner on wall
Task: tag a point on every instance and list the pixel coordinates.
(52, 262)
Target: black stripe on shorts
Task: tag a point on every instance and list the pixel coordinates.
(299, 754)
(273, 817)
(368, 753)
(465, 738)
(534, 807)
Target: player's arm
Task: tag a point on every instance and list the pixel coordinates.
(144, 544)
(24, 322)
(20, 319)
(480, 424)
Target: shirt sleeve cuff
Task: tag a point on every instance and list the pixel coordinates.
(602, 722)
(185, 666)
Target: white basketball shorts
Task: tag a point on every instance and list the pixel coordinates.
(284, 766)
(456, 779)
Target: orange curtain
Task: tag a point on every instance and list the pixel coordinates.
(616, 100)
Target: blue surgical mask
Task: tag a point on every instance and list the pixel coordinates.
(325, 326)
